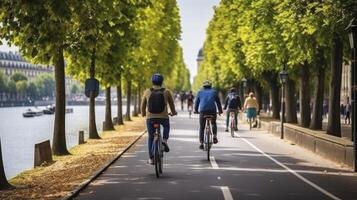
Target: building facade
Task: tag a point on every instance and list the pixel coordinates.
(346, 83)
(11, 63)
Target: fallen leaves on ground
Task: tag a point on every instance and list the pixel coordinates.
(68, 172)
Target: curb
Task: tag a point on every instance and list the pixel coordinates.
(74, 193)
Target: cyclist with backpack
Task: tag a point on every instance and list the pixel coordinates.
(233, 103)
(207, 102)
(154, 107)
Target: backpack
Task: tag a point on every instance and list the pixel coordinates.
(156, 102)
(232, 101)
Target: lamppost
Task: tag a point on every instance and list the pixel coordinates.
(352, 36)
(244, 81)
(283, 78)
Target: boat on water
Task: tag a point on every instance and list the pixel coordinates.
(49, 110)
(32, 112)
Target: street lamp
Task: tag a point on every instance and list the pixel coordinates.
(352, 36)
(244, 81)
(283, 78)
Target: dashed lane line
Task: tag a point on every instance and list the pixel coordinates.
(291, 171)
(226, 193)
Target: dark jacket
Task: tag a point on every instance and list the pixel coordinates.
(207, 101)
(228, 101)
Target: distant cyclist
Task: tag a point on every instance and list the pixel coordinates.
(251, 106)
(190, 98)
(207, 102)
(154, 107)
(182, 98)
(233, 103)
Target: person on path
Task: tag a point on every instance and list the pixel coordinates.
(348, 109)
(190, 99)
(207, 102)
(251, 106)
(154, 107)
(182, 98)
(232, 104)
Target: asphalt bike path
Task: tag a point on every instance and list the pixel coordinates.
(253, 165)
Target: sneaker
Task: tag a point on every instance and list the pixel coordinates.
(166, 146)
(150, 161)
(201, 146)
(226, 130)
(215, 140)
(236, 129)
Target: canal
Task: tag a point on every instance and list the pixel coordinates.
(19, 135)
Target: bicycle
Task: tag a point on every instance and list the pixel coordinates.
(232, 122)
(158, 150)
(208, 135)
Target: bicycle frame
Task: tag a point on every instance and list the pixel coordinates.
(208, 137)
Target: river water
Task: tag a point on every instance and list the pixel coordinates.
(19, 135)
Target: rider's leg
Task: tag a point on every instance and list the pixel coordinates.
(214, 128)
(166, 125)
(151, 130)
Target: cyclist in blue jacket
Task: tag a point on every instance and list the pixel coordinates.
(207, 102)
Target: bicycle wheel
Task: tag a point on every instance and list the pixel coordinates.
(232, 128)
(161, 154)
(208, 145)
(157, 159)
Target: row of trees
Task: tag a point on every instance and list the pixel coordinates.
(256, 39)
(18, 87)
(119, 42)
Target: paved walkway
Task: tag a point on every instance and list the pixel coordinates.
(253, 165)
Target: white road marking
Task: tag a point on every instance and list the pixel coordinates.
(292, 171)
(226, 193)
(214, 163)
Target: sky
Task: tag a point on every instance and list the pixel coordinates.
(195, 16)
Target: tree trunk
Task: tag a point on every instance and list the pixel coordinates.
(305, 111)
(108, 124)
(139, 99)
(93, 133)
(120, 105)
(135, 99)
(334, 120)
(258, 93)
(4, 184)
(290, 104)
(316, 121)
(59, 146)
(128, 99)
(272, 79)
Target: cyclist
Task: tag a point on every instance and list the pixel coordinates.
(251, 106)
(154, 107)
(206, 103)
(233, 103)
(190, 99)
(182, 98)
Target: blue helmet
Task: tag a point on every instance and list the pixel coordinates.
(157, 79)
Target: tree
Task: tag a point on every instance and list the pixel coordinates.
(18, 77)
(40, 29)
(74, 89)
(32, 90)
(45, 84)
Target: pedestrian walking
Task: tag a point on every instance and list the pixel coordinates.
(348, 109)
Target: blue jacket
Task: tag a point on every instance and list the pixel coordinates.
(207, 101)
